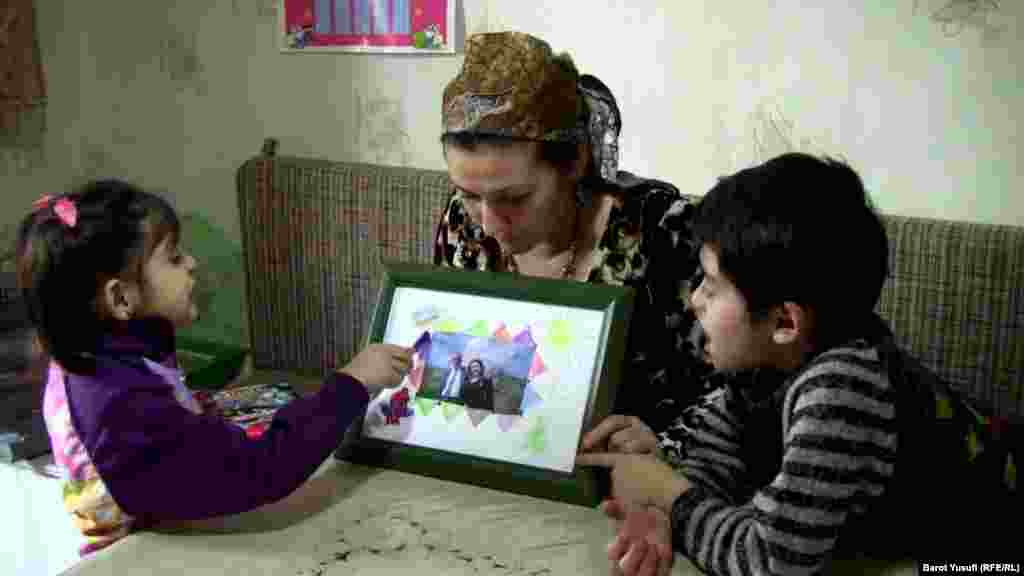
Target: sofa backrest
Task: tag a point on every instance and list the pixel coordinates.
(955, 299)
(314, 233)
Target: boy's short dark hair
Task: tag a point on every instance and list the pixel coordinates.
(800, 229)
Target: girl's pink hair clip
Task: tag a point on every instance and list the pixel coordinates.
(63, 208)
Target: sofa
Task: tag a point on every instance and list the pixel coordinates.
(314, 233)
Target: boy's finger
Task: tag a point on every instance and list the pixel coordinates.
(665, 561)
(602, 431)
(649, 565)
(618, 548)
(631, 561)
(613, 509)
(599, 459)
(617, 441)
(626, 442)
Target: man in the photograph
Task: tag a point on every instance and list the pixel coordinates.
(452, 387)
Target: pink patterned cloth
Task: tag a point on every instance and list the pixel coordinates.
(86, 498)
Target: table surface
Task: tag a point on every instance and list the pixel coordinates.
(351, 519)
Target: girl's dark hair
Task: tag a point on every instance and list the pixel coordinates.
(62, 269)
(800, 229)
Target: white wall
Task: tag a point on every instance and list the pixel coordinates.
(930, 121)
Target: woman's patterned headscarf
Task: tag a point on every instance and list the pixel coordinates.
(512, 85)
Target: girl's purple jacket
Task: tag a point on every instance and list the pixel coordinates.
(161, 462)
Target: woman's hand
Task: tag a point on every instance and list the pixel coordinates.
(618, 433)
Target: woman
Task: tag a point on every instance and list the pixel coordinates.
(478, 389)
(532, 153)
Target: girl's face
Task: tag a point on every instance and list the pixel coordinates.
(169, 283)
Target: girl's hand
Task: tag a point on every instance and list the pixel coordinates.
(618, 433)
(643, 541)
(380, 366)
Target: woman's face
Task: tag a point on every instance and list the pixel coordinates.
(476, 369)
(516, 198)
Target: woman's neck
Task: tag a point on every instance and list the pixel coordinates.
(568, 248)
(558, 240)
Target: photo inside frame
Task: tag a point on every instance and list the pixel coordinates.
(505, 380)
(479, 373)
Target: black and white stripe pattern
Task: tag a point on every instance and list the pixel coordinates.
(839, 449)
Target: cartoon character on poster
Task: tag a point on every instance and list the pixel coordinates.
(428, 38)
(300, 36)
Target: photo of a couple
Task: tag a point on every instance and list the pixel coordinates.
(480, 373)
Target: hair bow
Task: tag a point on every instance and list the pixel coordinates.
(63, 208)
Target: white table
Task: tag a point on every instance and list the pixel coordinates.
(350, 519)
(353, 520)
(36, 534)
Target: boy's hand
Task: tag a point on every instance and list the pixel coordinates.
(618, 433)
(639, 479)
(643, 542)
(380, 366)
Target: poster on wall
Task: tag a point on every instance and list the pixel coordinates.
(383, 26)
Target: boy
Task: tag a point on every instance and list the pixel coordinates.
(822, 436)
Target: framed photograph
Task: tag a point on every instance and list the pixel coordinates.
(387, 26)
(508, 373)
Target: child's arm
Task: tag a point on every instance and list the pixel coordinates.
(839, 447)
(162, 462)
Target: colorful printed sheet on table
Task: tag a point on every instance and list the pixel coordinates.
(250, 407)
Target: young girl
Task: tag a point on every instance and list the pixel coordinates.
(106, 285)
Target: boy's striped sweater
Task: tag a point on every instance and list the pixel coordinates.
(783, 467)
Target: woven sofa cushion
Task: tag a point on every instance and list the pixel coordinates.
(955, 299)
(314, 233)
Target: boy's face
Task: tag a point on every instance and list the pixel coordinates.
(169, 284)
(734, 340)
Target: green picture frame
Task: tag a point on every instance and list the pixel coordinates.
(583, 486)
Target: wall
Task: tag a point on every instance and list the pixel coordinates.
(178, 95)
